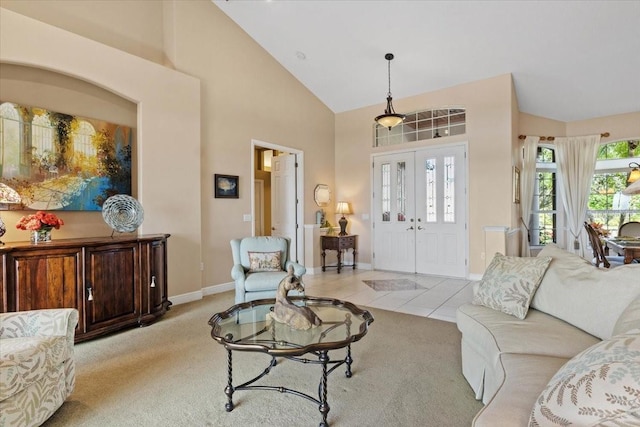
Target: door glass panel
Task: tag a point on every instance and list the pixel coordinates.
(385, 199)
(449, 189)
(401, 191)
(430, 188)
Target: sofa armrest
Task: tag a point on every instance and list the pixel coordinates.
(34, 323)
(45, 323)
(238, 273)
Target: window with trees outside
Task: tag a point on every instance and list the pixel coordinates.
(608, 207)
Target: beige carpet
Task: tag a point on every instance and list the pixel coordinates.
(406, 372)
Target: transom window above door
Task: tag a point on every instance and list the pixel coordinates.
(421, 125)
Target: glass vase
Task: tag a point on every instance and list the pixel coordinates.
(42, 235)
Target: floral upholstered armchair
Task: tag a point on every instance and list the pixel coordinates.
(259, 264)
(37, 365)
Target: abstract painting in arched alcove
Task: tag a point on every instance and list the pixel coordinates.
(57, 161)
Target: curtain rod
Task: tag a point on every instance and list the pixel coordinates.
(551, 138)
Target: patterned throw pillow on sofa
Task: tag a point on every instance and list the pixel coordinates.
(264, 261)
(509, 283)
(598, 387)
(629, 319)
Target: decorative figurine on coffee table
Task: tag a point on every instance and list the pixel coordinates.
(284, 311)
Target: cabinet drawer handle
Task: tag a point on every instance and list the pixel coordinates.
(153, 281)
(90, 297)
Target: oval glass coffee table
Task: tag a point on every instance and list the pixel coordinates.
(244, 327)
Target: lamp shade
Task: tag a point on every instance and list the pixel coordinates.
(634, 175)
(390, 120)
(8, 194)
(632, 189)
(343, 208)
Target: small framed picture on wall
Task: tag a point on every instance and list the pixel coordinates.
(225, 186)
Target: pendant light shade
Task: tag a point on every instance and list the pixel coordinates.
(390, 118)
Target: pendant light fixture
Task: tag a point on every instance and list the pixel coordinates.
(390, 118)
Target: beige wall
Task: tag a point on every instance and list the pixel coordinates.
(135, 27)
(489, 137)
(621, 126)
(516, 161)
(168, 131)
(57, 92)
(245, 95)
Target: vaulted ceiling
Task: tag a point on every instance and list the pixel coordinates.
(570, 60)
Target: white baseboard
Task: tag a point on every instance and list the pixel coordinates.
(318, 270)
(185, 298)
(217, 289)
(475, 277)
(198, 295)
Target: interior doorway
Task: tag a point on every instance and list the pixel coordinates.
(277, 178)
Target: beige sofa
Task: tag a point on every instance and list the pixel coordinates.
(524, 370)
(37, 367)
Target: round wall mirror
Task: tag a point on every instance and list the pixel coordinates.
(322, 195)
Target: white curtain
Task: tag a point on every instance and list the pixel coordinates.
(527, 184)
(576, 161)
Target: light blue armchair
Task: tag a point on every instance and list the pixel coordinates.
(259, 264)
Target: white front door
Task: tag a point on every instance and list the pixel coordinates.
(283, 199)
(419, 208)
(394, 221)
(441, 212)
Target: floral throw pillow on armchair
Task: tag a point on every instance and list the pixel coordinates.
(264, 261)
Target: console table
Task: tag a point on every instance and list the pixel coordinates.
(338, 243)
(114, 282)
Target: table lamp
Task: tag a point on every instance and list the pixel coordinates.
(634, 175)
(632, 189)
(343, 209)
(7, 195)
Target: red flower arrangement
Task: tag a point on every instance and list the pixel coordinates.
(39, 221)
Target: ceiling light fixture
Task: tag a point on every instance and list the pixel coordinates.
(390, 118)
(634, 175)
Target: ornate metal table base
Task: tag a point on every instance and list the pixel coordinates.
(243, 328)
(321, 401)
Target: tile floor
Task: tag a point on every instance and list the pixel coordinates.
(435, 297)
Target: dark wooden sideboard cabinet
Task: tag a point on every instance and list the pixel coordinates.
(114, 282)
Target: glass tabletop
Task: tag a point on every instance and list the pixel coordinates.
(246, 327)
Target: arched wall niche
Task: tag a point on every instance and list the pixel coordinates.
(39, 87)
(168, 132)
